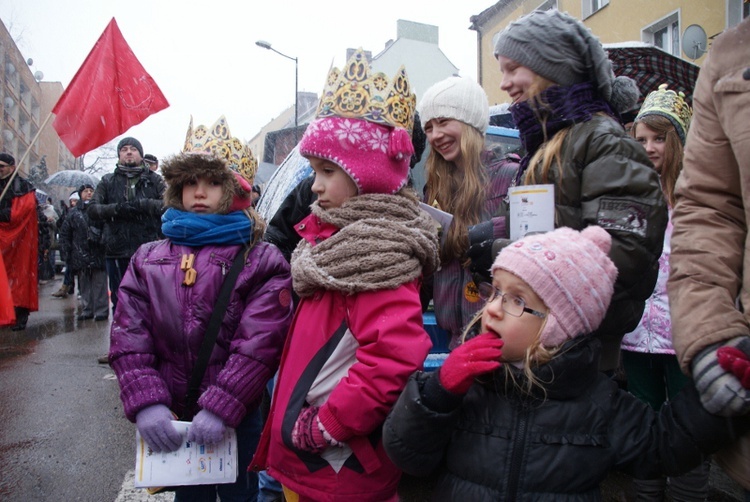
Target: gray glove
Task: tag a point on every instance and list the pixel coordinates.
(721, 391)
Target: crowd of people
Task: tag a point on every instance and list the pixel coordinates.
(320, 310)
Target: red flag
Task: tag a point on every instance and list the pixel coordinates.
(110, 93)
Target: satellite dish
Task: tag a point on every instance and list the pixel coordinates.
(38, 75)
(694, 41)
(29, 61)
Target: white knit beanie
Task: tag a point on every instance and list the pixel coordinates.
(456, 98)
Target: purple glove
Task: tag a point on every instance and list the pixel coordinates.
(307, 434)
(155, 425)
(206, 428)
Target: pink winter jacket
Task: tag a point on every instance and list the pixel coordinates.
(352, 356)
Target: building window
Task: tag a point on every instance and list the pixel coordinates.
(547, 5)
(665, 34)
(737, 10)
(589, 7)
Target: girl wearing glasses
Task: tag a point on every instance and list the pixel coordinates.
(521, 411)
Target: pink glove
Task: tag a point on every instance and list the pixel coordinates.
(735, 361)
(206, 428)
(307, 433)
(155, 425)
(475, 357)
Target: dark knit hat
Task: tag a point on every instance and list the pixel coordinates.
(150, 158)
(8, 159)
(83, 187)
(132, 142)
(563, 50)
(183, 167)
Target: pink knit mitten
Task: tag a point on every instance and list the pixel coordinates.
(474, 357)
(307, 434)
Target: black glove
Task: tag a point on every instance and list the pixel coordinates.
(126, 209)
(480, 250)
(480, 261)
(148, 206)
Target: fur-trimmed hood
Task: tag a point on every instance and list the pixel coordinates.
(184, 167)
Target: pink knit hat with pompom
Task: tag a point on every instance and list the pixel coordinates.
(375, 156)
(571, 272)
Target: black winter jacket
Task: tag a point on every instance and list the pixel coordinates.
(130, 217)
(296, 206)
(495, 444)
(80, 240)
(608, 180)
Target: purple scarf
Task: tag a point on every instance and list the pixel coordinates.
(564, 106)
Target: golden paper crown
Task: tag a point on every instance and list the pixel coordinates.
(355, 93)
(671, 105)
(219, 141)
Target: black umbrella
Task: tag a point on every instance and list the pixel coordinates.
(650, 67)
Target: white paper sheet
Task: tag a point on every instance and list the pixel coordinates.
(532, 209)
(441, 217)
(191, 464)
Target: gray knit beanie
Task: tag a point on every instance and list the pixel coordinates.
(456, 98)
(132, 142)
(562, 49)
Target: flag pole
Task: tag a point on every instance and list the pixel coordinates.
(25, 154)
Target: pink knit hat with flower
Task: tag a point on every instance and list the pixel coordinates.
(571, 272)
(362, 124)
(375, 156)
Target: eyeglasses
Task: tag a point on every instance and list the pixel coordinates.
(511, 304)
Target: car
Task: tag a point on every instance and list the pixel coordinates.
(503, 141)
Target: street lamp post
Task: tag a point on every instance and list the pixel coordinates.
(267, 45)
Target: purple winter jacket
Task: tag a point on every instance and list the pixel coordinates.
(159, 326)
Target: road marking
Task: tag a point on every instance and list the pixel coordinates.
(129, 493)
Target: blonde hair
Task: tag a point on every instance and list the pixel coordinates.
(536, 355)
(550, 150)
(461, 192)
(673, 152)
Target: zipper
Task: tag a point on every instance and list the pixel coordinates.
(519, 445)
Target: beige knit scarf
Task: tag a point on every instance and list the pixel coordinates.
(384, 241)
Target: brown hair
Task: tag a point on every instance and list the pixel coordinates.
(461, 192)
(673, 152)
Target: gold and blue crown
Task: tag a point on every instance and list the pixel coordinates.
(219, 141)
(669, 104)
(356, 93)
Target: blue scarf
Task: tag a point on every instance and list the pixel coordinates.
(195, 230)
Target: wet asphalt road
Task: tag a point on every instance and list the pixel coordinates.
(63, 434)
